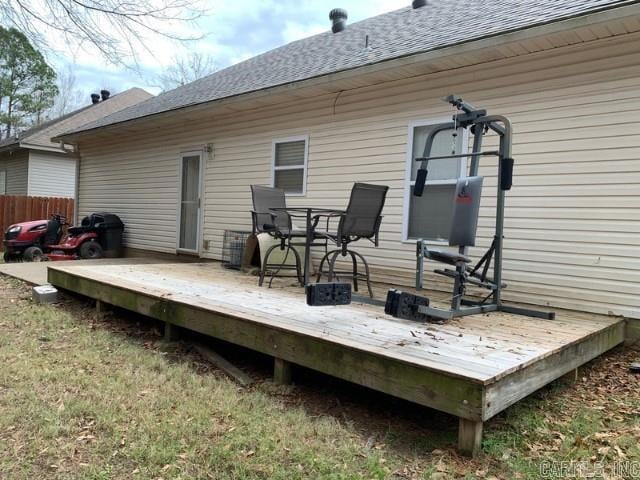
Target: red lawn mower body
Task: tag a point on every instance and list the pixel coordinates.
(99, 234)
(32, 237)
(69, 247)
(30, 233)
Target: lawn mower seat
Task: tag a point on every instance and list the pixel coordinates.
(84, 227)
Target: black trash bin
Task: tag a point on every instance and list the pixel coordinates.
(110, 229)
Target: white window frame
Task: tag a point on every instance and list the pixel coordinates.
(274, 168)
(3, 184)
(190, 153)
(408, 183)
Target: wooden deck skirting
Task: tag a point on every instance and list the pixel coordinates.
(632, 334)
(466, 368)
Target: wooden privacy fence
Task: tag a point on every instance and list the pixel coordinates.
(20, 208)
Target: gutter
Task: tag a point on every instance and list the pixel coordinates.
(31, 146)
(605, 14)
(9, 147)
(47, 148)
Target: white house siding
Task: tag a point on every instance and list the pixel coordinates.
(138, 182)
(51, 174)
(16, 166)
(573, 216)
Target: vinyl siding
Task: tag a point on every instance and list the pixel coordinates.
(16, 166)
(51, 175)
(138, 184)
(572, 218)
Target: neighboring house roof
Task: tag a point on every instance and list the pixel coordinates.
(40, 136)
(404, 32)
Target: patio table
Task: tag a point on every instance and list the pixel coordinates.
(311, 215)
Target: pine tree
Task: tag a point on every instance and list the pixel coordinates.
(27, 83)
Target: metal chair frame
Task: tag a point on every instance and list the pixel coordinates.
(272, 229)
(345, 236)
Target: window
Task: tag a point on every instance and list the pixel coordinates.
(428, 217)
(3, 182)
(290, 165)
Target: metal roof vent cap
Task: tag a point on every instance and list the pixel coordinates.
(105, 94)
(95, 98)
(339, 18)
(418, 3)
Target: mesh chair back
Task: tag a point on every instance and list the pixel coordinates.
(264, 199)
(362, 218)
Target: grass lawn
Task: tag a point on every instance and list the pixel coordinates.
(88, 398)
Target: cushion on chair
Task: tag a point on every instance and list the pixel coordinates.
(443, 256)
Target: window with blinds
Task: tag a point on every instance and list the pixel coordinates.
(3, 182)
(290, 165)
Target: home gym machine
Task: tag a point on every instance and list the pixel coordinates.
(465, 201)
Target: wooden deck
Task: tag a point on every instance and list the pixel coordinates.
(472, 367)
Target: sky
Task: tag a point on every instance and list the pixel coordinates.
(230, 31)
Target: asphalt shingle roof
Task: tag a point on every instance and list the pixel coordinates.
(41, 135)
(400, 33)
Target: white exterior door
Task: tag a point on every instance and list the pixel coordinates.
(189, 208)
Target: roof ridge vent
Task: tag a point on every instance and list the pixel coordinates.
(339, 18)
(418, 3)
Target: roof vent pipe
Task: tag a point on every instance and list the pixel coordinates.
(105, 94)
(339, 18)
(418, 3)
(95, 98)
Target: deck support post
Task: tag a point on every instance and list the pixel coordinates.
(101, 308)
(281, 371)
(469, 437)
(171, 332)
(570, 377)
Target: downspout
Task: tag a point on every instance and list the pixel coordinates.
(76, 193)
(76, 189)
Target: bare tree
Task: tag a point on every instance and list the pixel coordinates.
(187, 69)
(69, 96)
(114, 27)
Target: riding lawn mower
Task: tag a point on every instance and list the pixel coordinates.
(99, 235)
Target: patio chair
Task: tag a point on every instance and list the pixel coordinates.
(278, 225)
(361, 220)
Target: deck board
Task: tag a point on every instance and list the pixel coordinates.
(480, 348)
